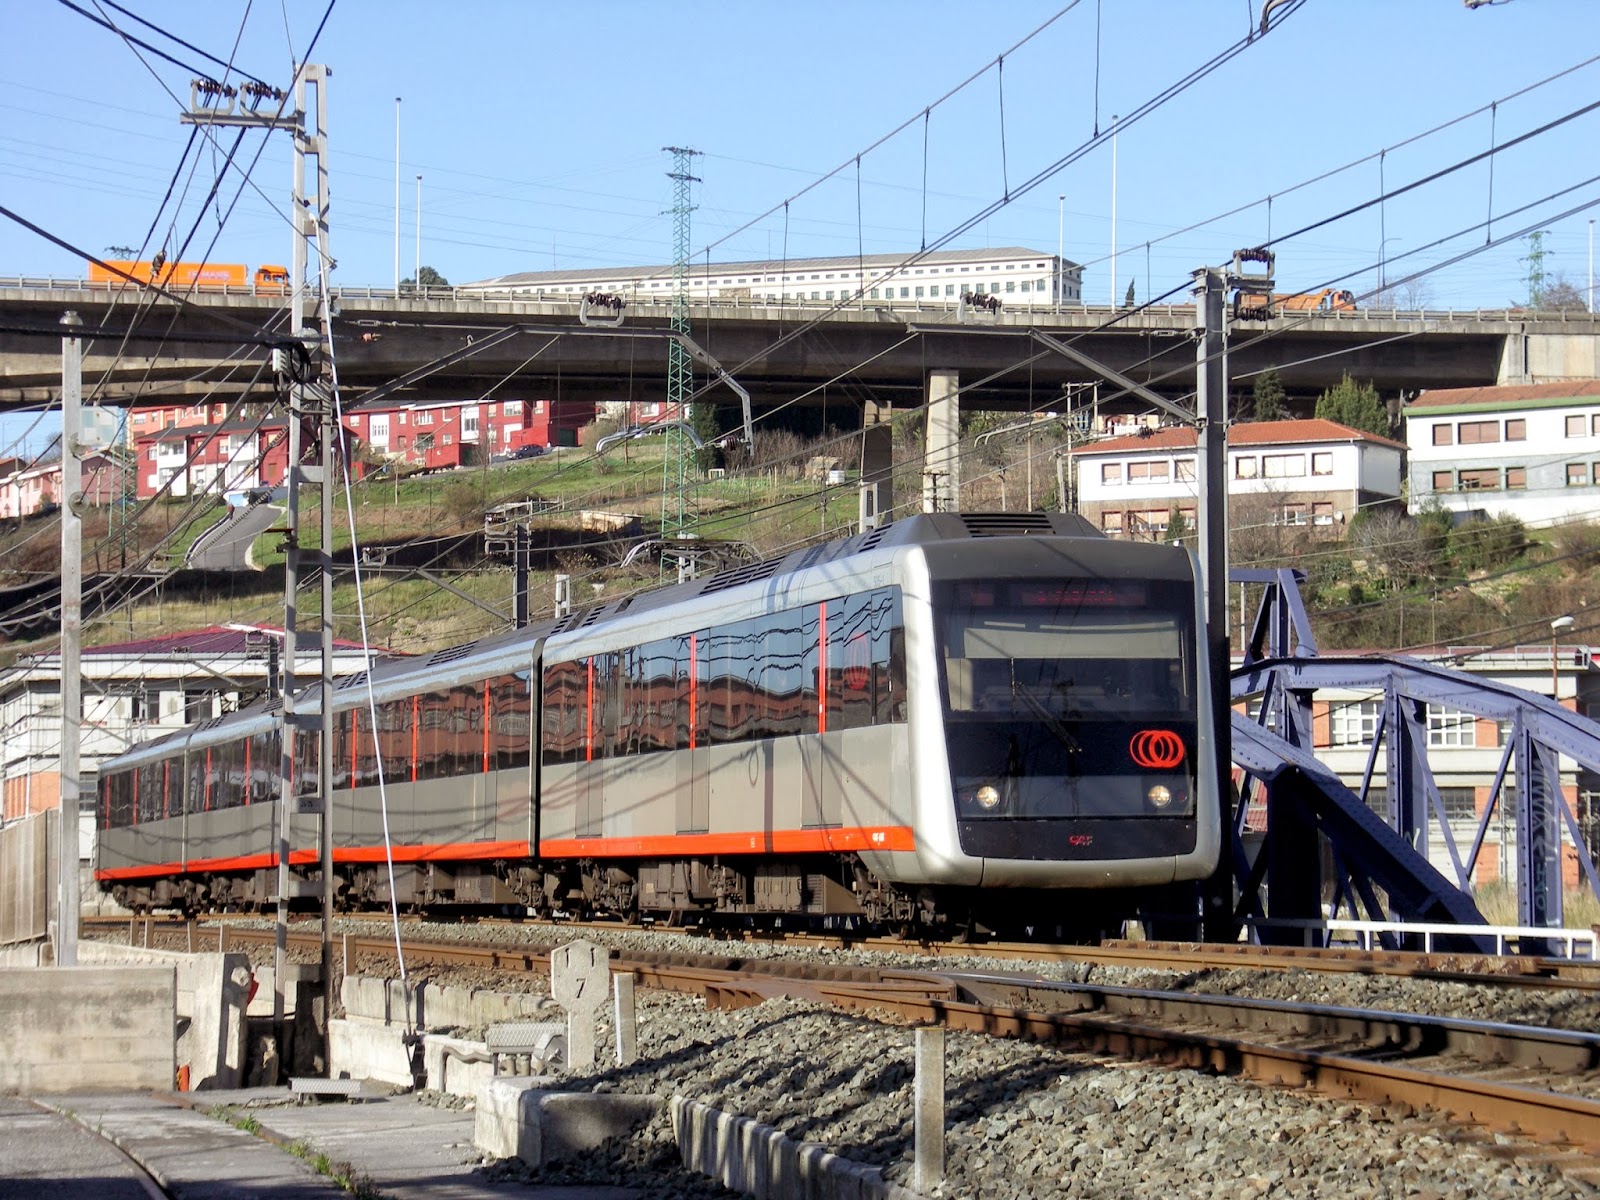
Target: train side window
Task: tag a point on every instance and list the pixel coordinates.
(152, 792)
(849, 674)
(307, 756)
(782, 679)
(196, 781)
(609, 683)
(266, 753)
(511, 717)
(565, 726)
(227, 775)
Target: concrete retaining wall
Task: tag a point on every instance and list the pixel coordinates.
(433, 1007)
(749, 1157)
(212, 990)
(522, 1117)
(75, 1028)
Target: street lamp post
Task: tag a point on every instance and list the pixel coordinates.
(418, 275)
(1113, 210)
(1382, 262)
(397, 195)
(1559, 626)
(1061, 266)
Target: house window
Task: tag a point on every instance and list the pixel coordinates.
(1354, 723)
(1577, 474)
(1322, 512)
(1322, 462)
(1596, 427)
(512, 408)
(1443, 434)
(1283, 466)
(1443, 481)
(1110, 473)
(1244, 468)
(1516, 478)
(1185, 470)
(1576, 426)
(1150, 472)
(1460, 804)
(1474, 433)
(1451, 727)
(1484, 479)
(1294, 514)
(1111, 522)
(1517, 431)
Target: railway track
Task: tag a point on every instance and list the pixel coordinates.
(1526, 1080)
(1185, 958)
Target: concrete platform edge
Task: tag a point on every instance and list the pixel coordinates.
(747, 1156)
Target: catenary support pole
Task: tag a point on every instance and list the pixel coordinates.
(1211, 408)
(71, 633)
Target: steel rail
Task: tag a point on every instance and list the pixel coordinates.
(1184, 957)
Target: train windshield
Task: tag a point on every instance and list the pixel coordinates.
(1082, 649)
(1069, 699)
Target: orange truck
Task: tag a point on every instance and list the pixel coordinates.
(185, 276)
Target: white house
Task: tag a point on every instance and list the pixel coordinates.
(1531, 451)
(1301, 472)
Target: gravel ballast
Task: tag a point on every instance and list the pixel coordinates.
(1025, 1120)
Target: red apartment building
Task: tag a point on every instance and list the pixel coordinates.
(191, 448)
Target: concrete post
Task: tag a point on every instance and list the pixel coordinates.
(877, 464)
(941, 457)
(928, 1119)
(71, 635)
(580, 975)
(626, 1019)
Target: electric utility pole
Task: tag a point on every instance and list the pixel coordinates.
(675, 464)
(304, 808)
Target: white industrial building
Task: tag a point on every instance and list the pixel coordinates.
(1020, 277)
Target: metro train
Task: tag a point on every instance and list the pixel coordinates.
(947, 718)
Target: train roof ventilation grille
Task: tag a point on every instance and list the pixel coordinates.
(350, 681)
(1006, 524)
(591, 615)
(873, 538)
(211, 724)
(275, 704)
(753, 573)
(450, 654)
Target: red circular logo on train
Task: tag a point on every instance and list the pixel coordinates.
(1156, 749)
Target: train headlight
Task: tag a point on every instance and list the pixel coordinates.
(1160, 795)
(987, 797)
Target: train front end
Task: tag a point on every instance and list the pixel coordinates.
(1062, 725)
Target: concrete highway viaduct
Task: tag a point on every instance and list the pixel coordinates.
(847, 361)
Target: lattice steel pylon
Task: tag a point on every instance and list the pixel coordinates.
(676, 464)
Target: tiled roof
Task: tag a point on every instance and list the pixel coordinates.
(1567, 389)
(1254, 433)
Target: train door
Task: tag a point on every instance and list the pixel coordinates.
(599, 699)
(694, 755)
(818, 797)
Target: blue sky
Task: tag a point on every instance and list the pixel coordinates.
(537, 129)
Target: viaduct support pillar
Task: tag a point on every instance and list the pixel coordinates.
(877, 464)
(941, 470)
